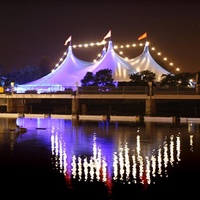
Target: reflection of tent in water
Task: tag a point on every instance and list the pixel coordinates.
(72, 70)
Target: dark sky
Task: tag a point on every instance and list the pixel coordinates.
(33, 29)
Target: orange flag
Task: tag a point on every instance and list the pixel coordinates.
(143, 36)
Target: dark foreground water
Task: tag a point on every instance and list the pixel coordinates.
(64, 159)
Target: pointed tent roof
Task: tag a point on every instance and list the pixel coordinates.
(72, 70)
(121, 69)
(64, 75)
(146, 62)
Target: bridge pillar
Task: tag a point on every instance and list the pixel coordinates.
(16, 106)
(150, 107)
(21, 106)
(11, 105)
(75, 107)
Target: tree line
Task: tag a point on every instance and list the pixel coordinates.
(104, 78)
(101, 78)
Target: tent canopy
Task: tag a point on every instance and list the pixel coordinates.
(72, 70)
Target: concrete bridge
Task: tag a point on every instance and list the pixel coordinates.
(14, 102)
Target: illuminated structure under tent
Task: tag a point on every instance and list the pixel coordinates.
(61, 78)
(146, 62)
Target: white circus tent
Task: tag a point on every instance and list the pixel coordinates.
(146, 62)
(72, 70)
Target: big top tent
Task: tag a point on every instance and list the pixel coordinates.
(72, 70)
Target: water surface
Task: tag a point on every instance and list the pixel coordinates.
(99, 159)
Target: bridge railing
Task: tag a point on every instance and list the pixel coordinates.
(113, 90)
(143, 90)
(174, 90)
(156, 90)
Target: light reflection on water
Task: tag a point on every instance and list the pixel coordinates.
(109, 152)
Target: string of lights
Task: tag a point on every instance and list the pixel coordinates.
(119, 49)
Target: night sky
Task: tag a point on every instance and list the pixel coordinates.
(33, 29)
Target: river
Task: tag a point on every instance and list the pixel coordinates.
(99, 159)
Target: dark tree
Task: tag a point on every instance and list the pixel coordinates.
(143, 77)
(101, 78)
(25, 75)
(88, 79)
(104, 78)
(181, 79)
(168, 80)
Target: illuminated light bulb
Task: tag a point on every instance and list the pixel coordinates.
(165, 58)
(159, 53)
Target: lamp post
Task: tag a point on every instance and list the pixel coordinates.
(12, 87)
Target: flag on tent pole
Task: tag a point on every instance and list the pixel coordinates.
(143, 36)
(108, 35)
(68, 40)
